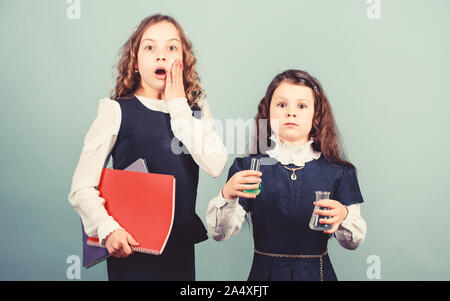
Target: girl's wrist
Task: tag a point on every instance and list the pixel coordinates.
(346, 213)
(225, 194)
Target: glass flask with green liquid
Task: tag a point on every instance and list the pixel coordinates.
(255, 165)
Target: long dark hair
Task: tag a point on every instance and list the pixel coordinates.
(324, 131)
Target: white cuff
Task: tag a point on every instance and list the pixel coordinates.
(224, 217)
(352, 231)
(350, 219)
(220, 201)
(105, 229)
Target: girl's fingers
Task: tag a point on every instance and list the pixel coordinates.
(174, 76)
(249, 172)
(247, 187)
(332, 220)
(171, 73)
(126, 250)
(325, 203)
(332, 212)
(250, 180)
(179, 75)
(117, 253)
(332, 230)
(179, 69)
(168, 81)
(117, 249)
(131, 241)
(245, 195)
(112, 252)
(174, 80)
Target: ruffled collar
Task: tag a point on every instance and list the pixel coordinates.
(287, 153)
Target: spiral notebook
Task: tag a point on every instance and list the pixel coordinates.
(147, 213)
(93, 255)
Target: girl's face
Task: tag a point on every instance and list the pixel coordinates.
(291, 113)
(160, 46)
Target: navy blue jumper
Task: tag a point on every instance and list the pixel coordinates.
(280, 216)
(145, 133)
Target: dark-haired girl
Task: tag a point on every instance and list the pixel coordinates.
(306, 157)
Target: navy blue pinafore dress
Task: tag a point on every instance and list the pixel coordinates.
(145, 133)
(281, 213)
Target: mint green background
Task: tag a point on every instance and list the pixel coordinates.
(388, 82)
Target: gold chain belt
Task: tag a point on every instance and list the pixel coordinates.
(297, 256)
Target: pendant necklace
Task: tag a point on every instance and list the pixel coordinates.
(293, 175)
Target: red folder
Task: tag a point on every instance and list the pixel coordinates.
(142, 203)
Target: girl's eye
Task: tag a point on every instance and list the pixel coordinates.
(172, 48)
(148, 47)
(302, 106)
(281, 105)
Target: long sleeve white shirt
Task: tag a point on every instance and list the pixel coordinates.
(197, 135)
(224, 217)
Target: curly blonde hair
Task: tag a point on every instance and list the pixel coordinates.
(128, 80)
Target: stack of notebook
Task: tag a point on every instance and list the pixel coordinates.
(142, 203)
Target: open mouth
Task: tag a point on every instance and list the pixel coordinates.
(160, 71)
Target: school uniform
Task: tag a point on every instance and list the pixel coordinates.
(166, 135)
(285, 248)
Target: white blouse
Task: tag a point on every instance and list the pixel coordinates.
(224, 217)
(197, 135)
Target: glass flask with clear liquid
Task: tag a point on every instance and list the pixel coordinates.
(314, 223)
(255, 165)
